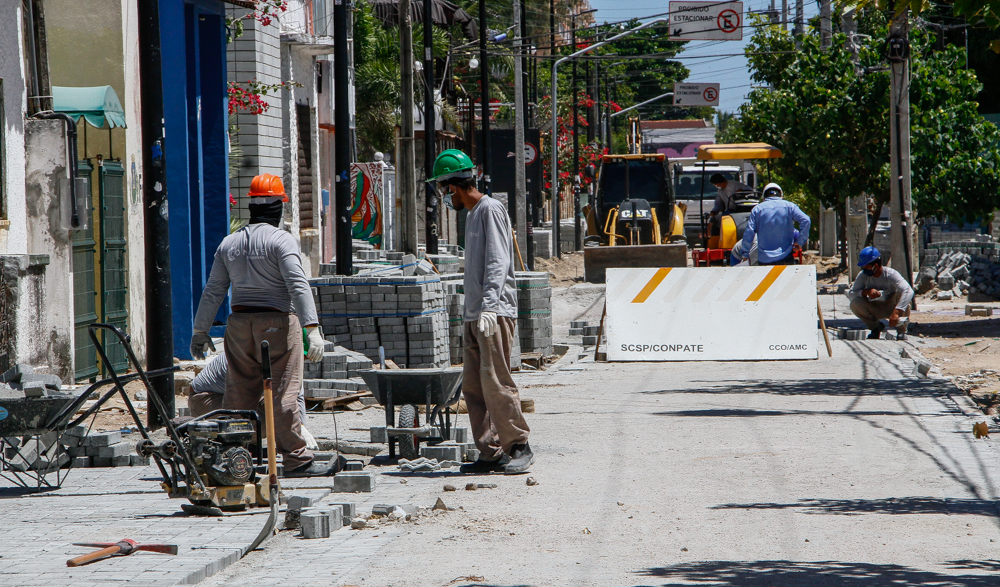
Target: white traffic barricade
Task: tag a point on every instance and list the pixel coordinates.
(712, 313)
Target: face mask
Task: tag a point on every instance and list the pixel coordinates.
(868, 272)
(452, 202)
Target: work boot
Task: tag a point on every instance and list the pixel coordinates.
(314, 468)
(876, 332)
(482, 467)
(521, 458)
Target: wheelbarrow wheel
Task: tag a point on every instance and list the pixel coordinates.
(408, 445)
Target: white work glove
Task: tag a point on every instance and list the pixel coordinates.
(488, 323)
(200, 343)
(316, 344)
(311, 443)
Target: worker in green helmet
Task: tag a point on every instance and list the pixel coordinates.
(501, 434)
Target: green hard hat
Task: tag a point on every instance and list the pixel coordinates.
(452, 163)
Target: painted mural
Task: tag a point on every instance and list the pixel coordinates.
(366, 203)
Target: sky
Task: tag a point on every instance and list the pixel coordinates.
(730, 72)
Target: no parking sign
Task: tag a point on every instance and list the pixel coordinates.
(696, 94)
(706, 21)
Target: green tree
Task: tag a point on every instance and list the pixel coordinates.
(830, 117)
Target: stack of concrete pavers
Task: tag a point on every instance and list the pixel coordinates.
(454, 301)
(586, 330)
(448, 264)
(85, 449)
(338, 374)
(534, 311)
(405, 315)
(21, 381)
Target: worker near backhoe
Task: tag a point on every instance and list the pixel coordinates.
(271, 300)
(209, 386)
(879, 293)
(725, 200)
(499, 428)
(773, 223)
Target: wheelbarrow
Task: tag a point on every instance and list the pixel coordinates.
(436, 389)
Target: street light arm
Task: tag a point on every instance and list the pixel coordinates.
(660, 97)
(554, 139)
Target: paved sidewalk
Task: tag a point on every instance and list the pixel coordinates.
(842, 471)
(106, 505)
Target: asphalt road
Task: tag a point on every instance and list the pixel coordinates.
(840, 471)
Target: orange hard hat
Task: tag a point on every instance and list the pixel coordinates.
(267, 186)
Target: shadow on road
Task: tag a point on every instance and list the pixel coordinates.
(891, 505)
(831, 387)
(783, 573)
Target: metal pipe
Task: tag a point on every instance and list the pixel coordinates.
(342, 140)
(554, 139)
(430, 130)
(159, 302)
(484, 82)
(71, 158)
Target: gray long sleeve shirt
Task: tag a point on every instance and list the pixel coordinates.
(888, 283)
(489, 262)
(263, 265)
(724, 198)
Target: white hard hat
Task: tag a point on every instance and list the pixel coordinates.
(772, 187)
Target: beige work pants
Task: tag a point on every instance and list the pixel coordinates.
(203, 402)
(490, 393)
(245, 384)
(871, 312)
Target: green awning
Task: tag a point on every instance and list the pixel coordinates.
(97, 104)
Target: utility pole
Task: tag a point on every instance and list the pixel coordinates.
(519, 171)
(342, 140)
(554, 138)
(784, 15)
(484, 82)
(430, 130)
(901, 211)
(825, 30)
(576, 143)
(799, 20)
(526, 201)
(406, 168)
(159, 304)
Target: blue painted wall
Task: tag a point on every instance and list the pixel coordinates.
(193, 45)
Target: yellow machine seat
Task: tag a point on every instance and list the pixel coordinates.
(727, 233)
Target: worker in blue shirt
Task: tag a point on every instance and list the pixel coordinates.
(773, 222)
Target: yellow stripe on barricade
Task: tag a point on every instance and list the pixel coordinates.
(648, 289)
(766, 284)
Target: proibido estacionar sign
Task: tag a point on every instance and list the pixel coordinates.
(706, 21)
(696, 94)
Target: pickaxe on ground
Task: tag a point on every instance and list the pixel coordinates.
(121, 548)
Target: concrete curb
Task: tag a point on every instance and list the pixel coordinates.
(212, 568)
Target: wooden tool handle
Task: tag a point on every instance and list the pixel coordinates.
(93, 556)
(272, 444)
(822, 323)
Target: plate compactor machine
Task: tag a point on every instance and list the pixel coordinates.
(215, 461)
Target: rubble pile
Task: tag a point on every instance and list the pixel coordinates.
(956, 273)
